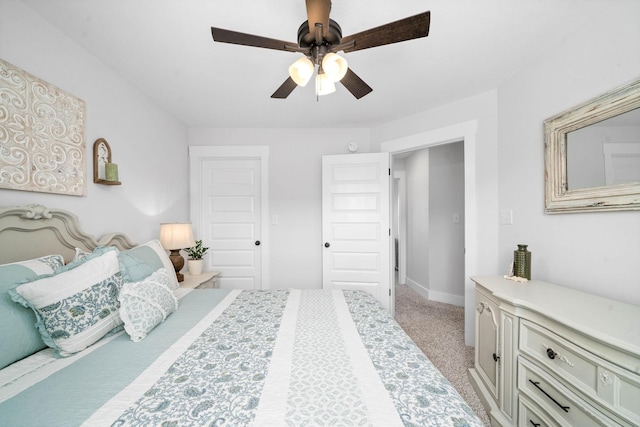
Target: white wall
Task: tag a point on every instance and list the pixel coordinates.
(417, 173)
(446, 237)
(435, 244)
(594, 252)
(295, 193)
(148, 144)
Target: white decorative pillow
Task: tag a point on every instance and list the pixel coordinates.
(76, 307)
(146, 304)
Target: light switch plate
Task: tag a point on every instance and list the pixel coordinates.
(506, 217)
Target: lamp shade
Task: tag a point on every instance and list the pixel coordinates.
(176, 235)
(324, 85)
(334, 66)
(301, 71)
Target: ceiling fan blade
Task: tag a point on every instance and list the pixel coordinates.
(409, 28)
(318, 12)
(234, 37)
(285, 89)
(355, 84)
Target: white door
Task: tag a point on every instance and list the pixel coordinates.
(227, 215)
(355, 224)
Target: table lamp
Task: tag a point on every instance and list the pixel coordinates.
(175, 236)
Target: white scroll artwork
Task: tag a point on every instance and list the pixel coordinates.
(41, 135)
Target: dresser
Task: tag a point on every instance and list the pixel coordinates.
(547, 355)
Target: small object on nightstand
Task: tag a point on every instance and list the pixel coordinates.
(208, 279)
(176, 236)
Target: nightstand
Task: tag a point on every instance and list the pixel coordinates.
(204, 280)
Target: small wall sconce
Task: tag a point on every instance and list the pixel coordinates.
(104, 171)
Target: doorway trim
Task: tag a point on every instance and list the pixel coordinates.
(401, 178)
(199, 153)
(466, 132)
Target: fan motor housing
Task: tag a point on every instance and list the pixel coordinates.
(307, 38)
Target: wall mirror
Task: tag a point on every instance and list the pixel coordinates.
(592, 154)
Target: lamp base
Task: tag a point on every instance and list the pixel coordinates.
(178, 262)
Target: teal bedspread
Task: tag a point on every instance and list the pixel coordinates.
(281, 357)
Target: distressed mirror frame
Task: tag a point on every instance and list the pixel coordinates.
(558, 197)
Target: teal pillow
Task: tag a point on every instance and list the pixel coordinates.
(19, 337)
(142, 261)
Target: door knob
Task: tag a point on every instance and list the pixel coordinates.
(257, 242)
(327, 244)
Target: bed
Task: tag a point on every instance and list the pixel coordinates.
(163, 355)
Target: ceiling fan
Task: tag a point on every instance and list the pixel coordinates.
(319, 38)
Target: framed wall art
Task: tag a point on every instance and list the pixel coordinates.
(41, 135)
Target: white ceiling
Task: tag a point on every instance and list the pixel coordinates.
(164, 47)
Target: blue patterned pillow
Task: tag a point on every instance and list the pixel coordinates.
(78, 306)
(146, 304)
(19, 337)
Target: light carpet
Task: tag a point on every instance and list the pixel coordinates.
(438, 330)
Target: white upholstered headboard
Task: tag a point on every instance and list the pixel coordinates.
(33, 231)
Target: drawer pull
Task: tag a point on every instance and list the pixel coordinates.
(534, 424)
(551, 354)
(605, 379)
(495, 357)
(537, 384)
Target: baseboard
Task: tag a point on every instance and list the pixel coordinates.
(444, 297)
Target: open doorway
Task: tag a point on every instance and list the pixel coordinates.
(465, 131)
(428, 197)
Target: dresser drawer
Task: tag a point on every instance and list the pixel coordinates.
(565, 407)
(616, 389)
(530, 414)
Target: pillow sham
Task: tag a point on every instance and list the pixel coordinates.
(81, 255)
(78, 306)
(19, 337)
(146, 304)
(141, 261)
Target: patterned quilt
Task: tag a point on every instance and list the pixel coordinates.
(290, 358)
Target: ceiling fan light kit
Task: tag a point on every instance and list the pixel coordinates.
(333, 69)
(319, 38)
